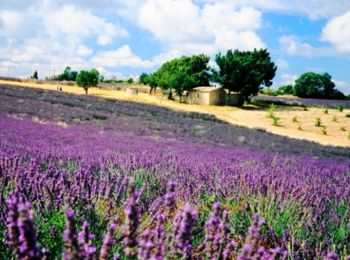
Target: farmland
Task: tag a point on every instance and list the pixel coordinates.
(252, 117)
(135, 179)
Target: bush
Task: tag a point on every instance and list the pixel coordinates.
(318, 122)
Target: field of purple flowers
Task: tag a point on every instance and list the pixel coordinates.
(87, 178)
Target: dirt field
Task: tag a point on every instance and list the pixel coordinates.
(336, 131)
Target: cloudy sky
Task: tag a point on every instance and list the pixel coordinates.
(126, 38)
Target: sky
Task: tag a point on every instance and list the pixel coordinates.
(122, 39)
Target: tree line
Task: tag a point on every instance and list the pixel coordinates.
(243, 72)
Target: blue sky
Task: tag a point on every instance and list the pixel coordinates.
(125, 38)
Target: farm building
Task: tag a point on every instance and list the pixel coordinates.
(204, 96)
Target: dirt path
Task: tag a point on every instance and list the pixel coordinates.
(336, 131)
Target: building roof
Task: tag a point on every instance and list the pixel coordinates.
(206, 89)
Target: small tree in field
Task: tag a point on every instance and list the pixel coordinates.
(35, 75)
(87, 79)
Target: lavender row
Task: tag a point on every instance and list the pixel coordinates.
(151, 121)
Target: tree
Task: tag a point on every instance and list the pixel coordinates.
(87, 79)
(286, 90)
(35, 75)
(143, 79)
(68, 74)
(152, 81)
(245, 72)
(184, 73)
(314, 85)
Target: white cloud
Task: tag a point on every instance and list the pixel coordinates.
(79, 23)
(288, 79)
(282, 64)
(342, 86)
(337, 32)
(82, 50)
(123, 56)
(292, 45)
(314, 9)
(184, 26)
(172, 22)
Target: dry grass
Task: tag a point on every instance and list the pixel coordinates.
(250, 116)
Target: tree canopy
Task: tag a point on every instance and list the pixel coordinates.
(245, 72)
(68, 74)
(184, 73)
(314, 85)
(87, 79)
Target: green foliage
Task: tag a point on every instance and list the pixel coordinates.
(50, 231)
(35, 75)
(318, 122)
(324, 130)
(335, 119)
(245, 71)
(286, 90)
(341, 108)
(347, 115)
(130, 81)
(271, 110)
(275, 120)
(68, 75)
(183, 74)
(313, 85)
(343, 129)
(282, 90)
(143, 79)
(325, 111)
(87, 79)
(295, 119)
(300, 128)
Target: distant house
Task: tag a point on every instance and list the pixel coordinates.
(204, 95)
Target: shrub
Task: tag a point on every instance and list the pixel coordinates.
(295, 120)
(325, 111)
(347, 115)
(343, 129)
(335, 119)
(324, 130)
(271, 110)
(275, 120)
(318, 122)
(341, 108)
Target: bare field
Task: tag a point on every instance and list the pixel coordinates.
(336, 131)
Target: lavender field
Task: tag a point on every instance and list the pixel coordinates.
(87, 178)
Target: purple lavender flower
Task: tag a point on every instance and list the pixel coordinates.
(331, 256)
(182, 237)
(71, 246)
(132, 221)
(28, 246)
(108, 242)
(86, 250)
(12, 223)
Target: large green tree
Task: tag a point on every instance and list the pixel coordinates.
(314, 85)
(184, 73)
(244, 72)
(87, 79)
